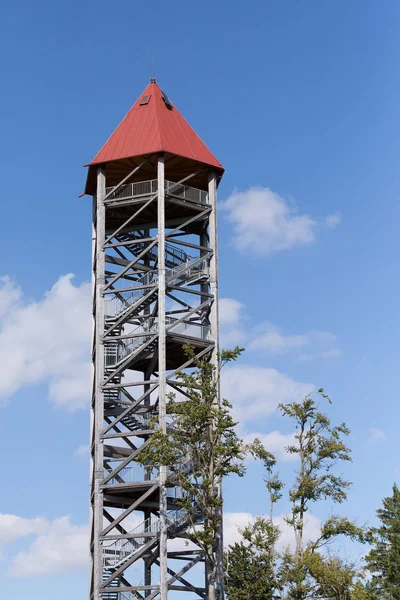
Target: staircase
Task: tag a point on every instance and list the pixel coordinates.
(115, 583)
(120, 551)
(183, 269)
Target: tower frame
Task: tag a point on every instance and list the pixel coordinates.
(150, 296)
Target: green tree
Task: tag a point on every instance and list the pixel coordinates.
(200, 449)
(308, 571)
(383, 561)
(250, 563)
(319, 446)
(334, 578)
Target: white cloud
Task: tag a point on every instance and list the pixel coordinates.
(237, 520)
(255, 392)
(275, 442)
(312, 529)
(60, 548)
(10, 295)
(270, 338)
(46, 341)
(376, 435)
(231, 319)
(13, 527)
(333, 220)
(233, 521)
(324, 354)
(264, 223)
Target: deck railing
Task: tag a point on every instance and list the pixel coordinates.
(146, 188)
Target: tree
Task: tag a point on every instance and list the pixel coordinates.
(307, 571)
(200, 448)
(334, 578)
(319, 447)
(383, 561)
(250, 563)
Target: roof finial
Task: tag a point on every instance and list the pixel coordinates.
(152, 78)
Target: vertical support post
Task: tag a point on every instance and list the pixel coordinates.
(212, 196)
(92, 397)
(146, 387)
(98, 408)
(161, 373)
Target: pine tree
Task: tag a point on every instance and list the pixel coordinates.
(250, 563)
(383, 561)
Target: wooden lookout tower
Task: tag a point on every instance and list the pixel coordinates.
(154, 185)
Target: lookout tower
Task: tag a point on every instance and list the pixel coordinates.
(154, 185)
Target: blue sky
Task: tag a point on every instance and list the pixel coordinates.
(299, 101)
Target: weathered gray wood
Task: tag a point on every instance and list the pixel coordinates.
(129, 220)
(212, 195)
(129, 510)
(129, 265)
(98, 378)
(161, 375)
(126, 178)
(201, 215)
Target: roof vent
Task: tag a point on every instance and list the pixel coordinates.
(144, 100)
(167, 101)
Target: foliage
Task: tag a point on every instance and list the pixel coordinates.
(249, 569)
(309, 570)
(319, 446)
(383, 561)
(200, 448)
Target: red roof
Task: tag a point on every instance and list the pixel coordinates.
(153, 124)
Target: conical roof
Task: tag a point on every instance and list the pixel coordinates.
(154, 124)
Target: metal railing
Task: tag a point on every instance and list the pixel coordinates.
(186, 192)
(127, 190)
(119, 550)
(112, 305)
(132, 474)
(189, 271)
(188, 328)
(146, 188)
(117, 351)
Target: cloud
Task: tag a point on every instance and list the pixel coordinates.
(237, 520)
(264, 223)
(269, 338)
(231, 317)
(312, 529)
(46, 341)
(376, 435)
(60, 548)
(333, 220)
(324, 354)
(275, 442)
(13, 527)
(255, 392)
(233, 521)
(10, 295)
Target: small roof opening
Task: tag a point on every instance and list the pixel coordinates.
(167, 101)
(144, 100)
